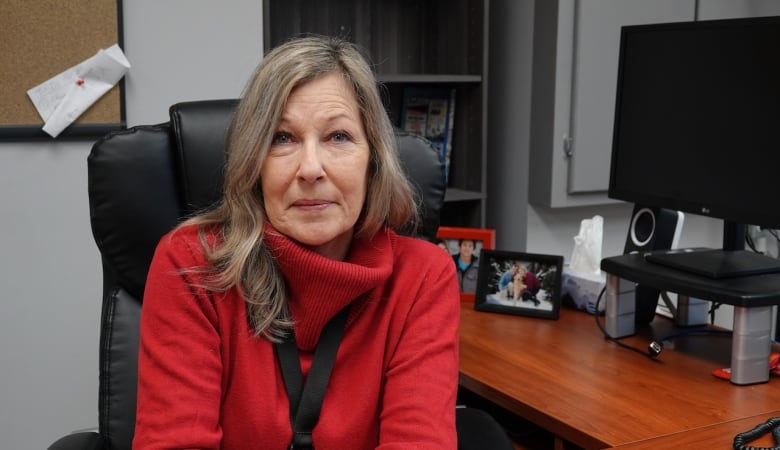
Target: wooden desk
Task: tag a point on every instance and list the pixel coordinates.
(713, 437)
(565, 377)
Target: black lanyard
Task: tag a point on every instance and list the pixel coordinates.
(306, 401)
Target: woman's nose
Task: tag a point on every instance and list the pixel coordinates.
(311, 167)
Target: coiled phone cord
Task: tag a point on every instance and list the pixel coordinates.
(773, 425)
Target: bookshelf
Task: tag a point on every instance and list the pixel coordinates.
(414, 44)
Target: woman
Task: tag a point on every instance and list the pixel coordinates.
(313, 191)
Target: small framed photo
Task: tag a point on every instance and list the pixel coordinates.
(526, 284)
(465, 245)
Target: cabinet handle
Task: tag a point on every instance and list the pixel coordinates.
(568, 145)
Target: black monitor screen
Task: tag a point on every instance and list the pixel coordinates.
(697, 122)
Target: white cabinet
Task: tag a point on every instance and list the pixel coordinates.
(576, 44)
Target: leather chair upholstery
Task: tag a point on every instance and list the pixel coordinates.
(142, 182)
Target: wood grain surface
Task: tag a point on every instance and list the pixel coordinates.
(565, 377)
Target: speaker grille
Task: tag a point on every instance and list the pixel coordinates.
(642, 227)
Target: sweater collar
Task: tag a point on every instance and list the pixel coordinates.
(318, 287)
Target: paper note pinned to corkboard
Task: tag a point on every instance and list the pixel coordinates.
(41, 38)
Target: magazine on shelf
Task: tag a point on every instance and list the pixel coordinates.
(430, 112)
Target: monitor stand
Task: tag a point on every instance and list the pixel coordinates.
(716, 263)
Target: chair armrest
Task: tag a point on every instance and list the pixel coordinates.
(85, 440)
(477, 430)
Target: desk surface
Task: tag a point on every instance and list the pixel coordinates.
(713, 437)
(565, 377)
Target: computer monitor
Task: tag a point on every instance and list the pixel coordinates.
(697, 128)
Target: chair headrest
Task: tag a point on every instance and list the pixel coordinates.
(199, 131)
(425, 171)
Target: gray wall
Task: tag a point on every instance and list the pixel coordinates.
(50, 270)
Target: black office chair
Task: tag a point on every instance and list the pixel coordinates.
(142, 182)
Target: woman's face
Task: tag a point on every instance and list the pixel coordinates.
(315, 175)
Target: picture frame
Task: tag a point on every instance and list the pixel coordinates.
(484, 239)
(504, 286)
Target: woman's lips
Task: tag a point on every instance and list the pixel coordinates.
(311, 205)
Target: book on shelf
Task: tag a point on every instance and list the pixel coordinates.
(430, 112)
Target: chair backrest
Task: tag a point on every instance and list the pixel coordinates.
(145, 180)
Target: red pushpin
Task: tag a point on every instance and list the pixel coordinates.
(80, 82)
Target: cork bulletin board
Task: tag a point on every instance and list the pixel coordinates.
(42, 38)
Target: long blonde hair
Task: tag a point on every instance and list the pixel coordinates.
(238, 255)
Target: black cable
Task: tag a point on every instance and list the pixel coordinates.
(655, 347)
(616, 340)
(772, 425)
(750, 243)
(713, 307)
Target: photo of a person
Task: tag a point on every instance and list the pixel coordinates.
(466, 262)
(464, 245)
(441, 243)
(526, 285)
(506, 284)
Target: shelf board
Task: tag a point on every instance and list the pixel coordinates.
(426, 78)
(460, 195)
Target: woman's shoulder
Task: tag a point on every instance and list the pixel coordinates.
(186, 241)
(182, 234)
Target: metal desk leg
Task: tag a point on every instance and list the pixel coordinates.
(620, 307)
(751, 344)
(691, 311)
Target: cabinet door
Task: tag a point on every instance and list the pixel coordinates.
(594, 79)
(729, 9)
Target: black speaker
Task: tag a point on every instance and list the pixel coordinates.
(651, 229)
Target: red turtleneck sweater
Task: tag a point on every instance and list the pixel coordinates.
(206, 383)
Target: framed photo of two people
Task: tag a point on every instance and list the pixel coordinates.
(525, 284)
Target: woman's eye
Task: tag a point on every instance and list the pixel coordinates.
(281, 138)
(340, 136)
